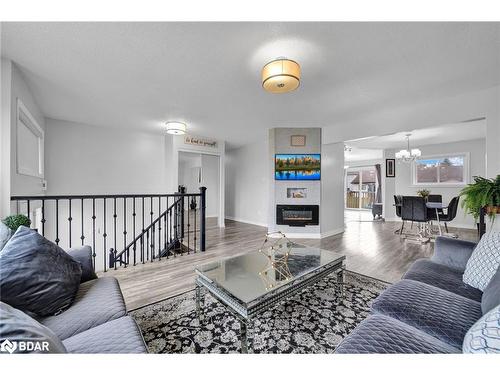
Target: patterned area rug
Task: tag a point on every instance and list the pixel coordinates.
(314, 321)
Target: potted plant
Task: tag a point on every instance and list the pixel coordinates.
(483, 193)
(424, 193)
(15, 221)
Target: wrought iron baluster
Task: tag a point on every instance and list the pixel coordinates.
(142, 237)
(172, 239)
(57, 222)
(152, 243)
(188, 225)
(126, 253)
(165, 234)
(147, 244)
(195, 217)
(114, 224)
(133, 231)
(159, 228)
(151, 211)
(104, 235)
(82, 237)
(70, 219)
(43, 217)
(203, 216)
(93, 232)
(28, 210)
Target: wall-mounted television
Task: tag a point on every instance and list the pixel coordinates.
(294, 167)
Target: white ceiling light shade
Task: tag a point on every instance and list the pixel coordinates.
(176, 128)
(280, 76)
(408, 155)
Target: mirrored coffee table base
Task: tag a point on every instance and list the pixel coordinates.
(245, 312)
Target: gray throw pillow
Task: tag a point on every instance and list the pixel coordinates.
(491, 295)
(83, 255)
(19, 333)
(5, 235)
(484, 261)
(36, 275)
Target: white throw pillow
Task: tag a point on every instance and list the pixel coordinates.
(484, 335)
(484, 261)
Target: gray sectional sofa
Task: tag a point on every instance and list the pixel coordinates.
(429, 311)
(97, 320)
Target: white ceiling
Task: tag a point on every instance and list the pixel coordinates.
(361, 154)
(371, 148)
(421, 137)
(138, 75)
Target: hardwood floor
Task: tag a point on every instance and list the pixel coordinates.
(371, 248)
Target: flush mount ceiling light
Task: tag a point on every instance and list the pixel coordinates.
(176, 128)
(280, 76)
(408, 155)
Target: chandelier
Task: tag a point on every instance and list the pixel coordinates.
(408, 155)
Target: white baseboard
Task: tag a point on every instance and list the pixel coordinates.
(246, 221)
(309, 235)
(332, 232)
(297, 235)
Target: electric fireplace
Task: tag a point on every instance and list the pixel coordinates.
(297, 215)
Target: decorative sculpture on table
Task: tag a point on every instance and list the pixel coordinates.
(277, 251)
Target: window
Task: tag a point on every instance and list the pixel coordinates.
(29, 143)
(441, 170)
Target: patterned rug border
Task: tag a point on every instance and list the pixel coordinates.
(190, 290)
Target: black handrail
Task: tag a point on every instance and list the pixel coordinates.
(118, 257)
(101, 216)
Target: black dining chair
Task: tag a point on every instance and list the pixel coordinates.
(431, 212)
(414, 209)
(451, 212)
(397, 205)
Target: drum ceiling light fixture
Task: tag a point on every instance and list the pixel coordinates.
(281, 75)
(176, 128)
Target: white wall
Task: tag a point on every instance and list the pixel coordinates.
(247, 186)
(85, 159)
(22, 184)
(332, 189)
(5, 130)
(403, 184)
(210, 179)
(363, 163)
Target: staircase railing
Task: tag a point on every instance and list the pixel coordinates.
(149, 226)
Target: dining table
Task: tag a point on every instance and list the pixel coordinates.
(437, 206)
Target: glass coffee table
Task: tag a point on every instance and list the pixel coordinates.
(255, 282)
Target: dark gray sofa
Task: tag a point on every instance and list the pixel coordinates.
(429, 311)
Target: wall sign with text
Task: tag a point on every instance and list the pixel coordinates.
(203, 142)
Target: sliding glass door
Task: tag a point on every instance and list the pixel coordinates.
(360, 188)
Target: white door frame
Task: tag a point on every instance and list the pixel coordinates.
(220, 213)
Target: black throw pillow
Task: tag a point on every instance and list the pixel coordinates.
(36, 275)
